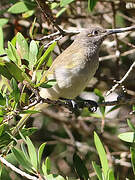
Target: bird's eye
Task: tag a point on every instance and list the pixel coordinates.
(95, 32)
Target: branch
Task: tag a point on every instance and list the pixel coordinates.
(114, 55)
(47, 14)
(122, 80)
(18, 171)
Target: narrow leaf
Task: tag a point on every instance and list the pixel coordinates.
(91, 4)
(102, 154)
(132, 150)
(65, 2)
(21, 159)
(32, 152)
(22, 46)
(21, 7)
(33, 51)
(98, 170)
(80, 168)
(12, 54)
(40, 152)
(127, 136)
(130, 125)
(46, 55)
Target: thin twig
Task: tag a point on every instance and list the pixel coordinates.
(47, 14)
(18, 171)
(122, 80)
(67, 32)
(114, 55)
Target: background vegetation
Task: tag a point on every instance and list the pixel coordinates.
(55, 144)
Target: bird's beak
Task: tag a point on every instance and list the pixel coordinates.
(120, 30)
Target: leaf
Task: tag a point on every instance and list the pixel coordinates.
(65, 2)
(127, 136)
(48, 84)
(16, 91)
(12, 54)
(22, 46)
(130, 125)
(40, 152)
(1, 41)
(2, 128)
(20, 157)
(29, 111)
(61, 12)
(102, 154)
(80, 168)
(132, 150)
(33, 51)
(2, 101)
(21, 7)
(31, 31)
(55, 177)
(91, 4)
(111, 175)
(15, 71)
(46, 167)
(3, 21)
(28, 13)
(98, 170)
(46, 55)
(100, 100)
(32, 152)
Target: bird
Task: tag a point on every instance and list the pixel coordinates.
(74, 67)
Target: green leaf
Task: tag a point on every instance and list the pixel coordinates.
(130, 125)
(28, 13)
(22, 46)
(48, 165)
(31, 31)
(132, 150)
(46, 55)
(100, 100)
(32, 152)
(98, 170)
(33, 54)
(21, 7)
(15, 71)
(28, 131)
(29, 112)
(20, 157)
(40, 152)
(55, 177)
(48, 84)
(111, 175)
(91, 4)
(127, 136)
(16, 91)
(12, 54)
(102, 154)
(2, 101)
(80, 168)
(61, 12)
(1, 41)
(65, 2)
(3, 21)
(2, 128)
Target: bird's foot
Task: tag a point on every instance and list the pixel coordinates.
(73, 106)
(91, 105)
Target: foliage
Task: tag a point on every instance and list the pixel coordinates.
(69, 149)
